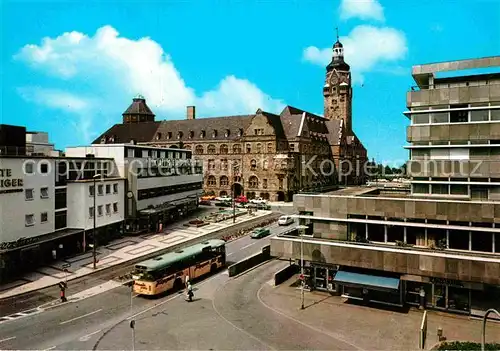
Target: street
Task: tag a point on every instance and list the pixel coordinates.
(80, 324)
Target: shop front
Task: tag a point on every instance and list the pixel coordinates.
(321, 277)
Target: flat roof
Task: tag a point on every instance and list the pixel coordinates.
(130, 145)
(421, 73)
(58, 157)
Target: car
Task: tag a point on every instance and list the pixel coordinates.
(241, 199)
(285, 220)
(258, 233)
(258, 200)
(207, 198)
(224, 198)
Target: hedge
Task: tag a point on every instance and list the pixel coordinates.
(467, 345)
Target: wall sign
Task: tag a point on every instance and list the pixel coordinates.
(8, 184)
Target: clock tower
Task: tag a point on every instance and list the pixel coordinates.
(337, 91)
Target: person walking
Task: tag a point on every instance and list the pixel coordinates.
(189, 292)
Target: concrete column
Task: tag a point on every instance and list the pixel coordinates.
(447, 238)
(366, 231)
(385, 232)
(470, 241)
(404, 234)
(493, 242)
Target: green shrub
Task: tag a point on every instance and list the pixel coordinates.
(467, 345)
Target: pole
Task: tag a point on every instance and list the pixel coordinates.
(302, 268)
(234, 193)
(483, 336)
(93, 231)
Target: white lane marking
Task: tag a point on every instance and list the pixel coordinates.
(244, 247)
(50, 348)
(7, 339)
(76, 318)
(173, 297)
(87, 337)
(334, 336)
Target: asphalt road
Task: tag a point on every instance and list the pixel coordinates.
(34, 299)
(79, 325)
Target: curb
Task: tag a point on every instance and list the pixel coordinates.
(212, 235)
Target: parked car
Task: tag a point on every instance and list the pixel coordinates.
(258, 200)
(241, 199)
(224, 198)
(258, 233)
(207, 198)
(285, 220)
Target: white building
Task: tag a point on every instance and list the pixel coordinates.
(37, 144)
(162, 184)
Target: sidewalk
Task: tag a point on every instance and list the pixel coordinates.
(117, 252)
(371, 328)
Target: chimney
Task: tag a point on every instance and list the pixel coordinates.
(191, 112)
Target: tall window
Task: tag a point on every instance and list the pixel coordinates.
(223, 164)
(269, 148)
(211, 181)
(211, 149)
(224, 149)
(265, 164)
(249, 148)
(211, 164)
(253, 165)
(264, 183)
(199, 149)
(237, 148)
(253, 182)
(224, 181)
(259, 148)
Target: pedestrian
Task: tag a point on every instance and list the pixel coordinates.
(189, 292)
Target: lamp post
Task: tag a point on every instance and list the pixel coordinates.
(94, 252)
(301, 229)
(483, 336)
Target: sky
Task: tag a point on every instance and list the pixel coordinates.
(71, 67)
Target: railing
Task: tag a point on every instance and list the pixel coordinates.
(453, 85)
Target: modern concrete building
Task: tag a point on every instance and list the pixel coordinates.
(162, 184)
(441, 239)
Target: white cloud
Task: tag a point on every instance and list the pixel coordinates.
(115, 69)
(366, 48)
(363, 9)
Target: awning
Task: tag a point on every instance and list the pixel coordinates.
(366, 280)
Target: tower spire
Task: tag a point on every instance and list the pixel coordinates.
(337, 32)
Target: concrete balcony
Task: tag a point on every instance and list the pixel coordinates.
(454, 168)
(453, 132)
(481, 268)
(453, 95)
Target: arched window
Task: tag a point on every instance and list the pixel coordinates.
(237, 179)
(259, 148)
(169, 135)
(179, 135)
(212, 182)
(237, 148)
(240, 132)
(202, 134)
(191, 135)
(253, 182)
(270, 148)
(187, 147)
(211, 149)
(223, 193)
(224, 149)
(199, 149)
(253, 165)
(214, 133)
(223, 164)
(224, 181)
(158, 136)
(227, 133)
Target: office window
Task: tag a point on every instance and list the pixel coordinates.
(421, 118)
(44, 168)
(91, 190)
(479, 115)
(115, 188)
(28, 194)
(108, 188)
(421, 188)
(29, 220)
(44, 217)
(108, 209)
(44, 193)
(28, 167)
(99, 210)
(91, 212)
(100, 190)
(495, 114)
(115, 207)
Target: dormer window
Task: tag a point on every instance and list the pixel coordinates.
(214, 133)
(112, 139)
(158, 136)
(227, 133)
(202, 134)
(191, 135)
(240, 132)
(169, 135)
(103, 140)
(179, 135)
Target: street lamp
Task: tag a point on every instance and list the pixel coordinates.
(301, 229)
(94, 253)
(483, 337)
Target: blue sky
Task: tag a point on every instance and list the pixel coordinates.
(71, 68)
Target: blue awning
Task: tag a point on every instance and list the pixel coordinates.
(366, 280)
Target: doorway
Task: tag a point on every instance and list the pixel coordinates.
(238, 189)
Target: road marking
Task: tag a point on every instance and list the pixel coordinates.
(87, 337)
(7, 339)
(76, 318)
(173, 297)
(334, 336)
(50, 348)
